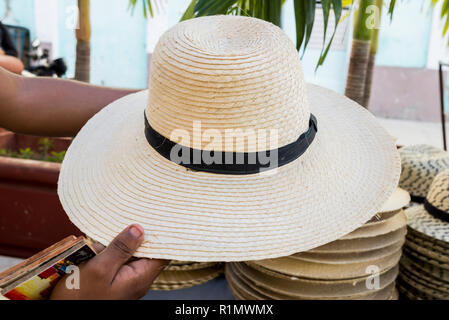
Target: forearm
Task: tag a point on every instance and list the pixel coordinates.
(48, 106)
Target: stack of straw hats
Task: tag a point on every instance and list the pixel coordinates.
(342, 269)
(180, 275)
(420, 164)
(425, 263)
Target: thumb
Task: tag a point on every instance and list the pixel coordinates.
(121, 249)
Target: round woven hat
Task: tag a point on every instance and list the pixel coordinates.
(427, 242)
(248, 283)
(363, 244)
(311, 166)
(398, 200)
(432, 218)
(420, 164)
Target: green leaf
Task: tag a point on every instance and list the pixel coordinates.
(310, 7)
(132, 5)
(213, 7)
(300, 19)
(326, 6)
(190, 12)
(337, 6)
(324, 54)
(446, 27)
(251, 7)
(445, 8)
(26, 153)
(337, 11)
(274, 11)
(258, 13)
(150, 9)
(144, 8)
(391, 8)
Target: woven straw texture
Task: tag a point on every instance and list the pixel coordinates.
(328, 274)
(398, 200)
(175, 277)
(420, 164)
(250, 284)
(228, 72)
(424, 272)
(438, 196)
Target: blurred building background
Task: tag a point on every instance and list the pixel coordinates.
(405, 79)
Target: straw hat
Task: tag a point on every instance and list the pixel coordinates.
(249, 283)
(427, 242)
(430, 280)
(432, 253)
(185, 274)
(420, 164)
(398, 200)
(330, 170)
(363, 244)
(309, 287)
(424, 267)
(338, 270)
(420, 291)
(432, 218)
(337, 264)
(170, 279)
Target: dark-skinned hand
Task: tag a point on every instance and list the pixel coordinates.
(111, 274)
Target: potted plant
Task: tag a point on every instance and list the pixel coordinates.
(31, 216)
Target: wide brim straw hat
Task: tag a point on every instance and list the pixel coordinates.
(227, 72)
(338, 264)
(420, 220)
(255, 285)
(420, 164)
(432, 218)
(180, 279)
(309, 287)
(398, 200)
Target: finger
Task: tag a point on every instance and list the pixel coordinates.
(98, 247)
(141, 273)
(120, 249)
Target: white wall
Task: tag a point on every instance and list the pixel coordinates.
(438, 46)
(46, 19)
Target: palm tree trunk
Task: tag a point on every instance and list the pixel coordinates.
(82, 67)
(372, 58)
(358, 65)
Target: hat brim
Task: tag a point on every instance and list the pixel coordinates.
(310, 287)
(111, 177)
(362, 244)
(422, 221)
(398, 200)
(240, 283)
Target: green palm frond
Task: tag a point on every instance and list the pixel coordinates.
(337, 7)
(271, 11)
(444, 14)
(190, 12)
(147, 6)
(391, 8)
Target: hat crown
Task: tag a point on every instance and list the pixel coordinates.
(227, 73)
(438, 195)
(420, 164)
